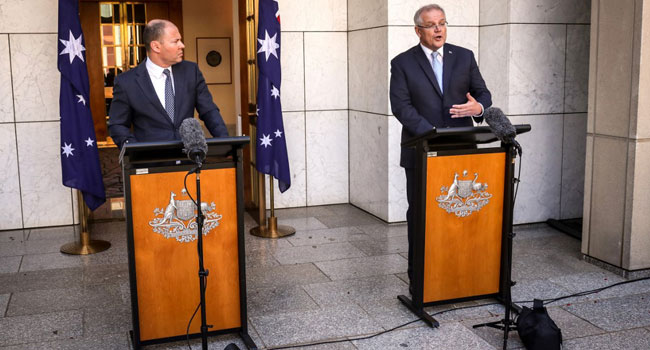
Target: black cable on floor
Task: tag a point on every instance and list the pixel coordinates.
(376, 334)
(579, 294)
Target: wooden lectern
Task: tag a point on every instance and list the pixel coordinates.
(162, 245)
(463, 218)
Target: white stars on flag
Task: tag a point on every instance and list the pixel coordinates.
(89, 142)
(73, 47)
(266, 140)
(278, 133)
(81, 99)
(275, 93)
(268, 45)
(67, 149)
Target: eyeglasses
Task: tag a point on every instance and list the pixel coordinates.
(436, 26)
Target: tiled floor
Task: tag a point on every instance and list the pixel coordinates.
(337, 278)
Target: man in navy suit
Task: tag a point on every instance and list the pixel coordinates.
(433, 84)
(158, 94)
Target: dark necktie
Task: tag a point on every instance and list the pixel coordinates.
(169, 95)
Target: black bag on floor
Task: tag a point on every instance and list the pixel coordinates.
(537, 330)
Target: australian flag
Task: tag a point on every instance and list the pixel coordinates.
(271, 146)
(79, 156)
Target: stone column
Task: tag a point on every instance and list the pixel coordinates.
(379, 30)
(616, 226)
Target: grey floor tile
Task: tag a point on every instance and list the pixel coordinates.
(391, 313)
(595, 280)
(303, 224)
(287, 275)
(42, 279)
(494, 336)
(403, 276)
(384, 231)
(356, 219)
(363, 267)
(260, 258)
(62, 232)
(254, 243)
(572, 326)
(278, 300)
(112, 256)
(10, 264)
(4, 301)
(615, 314)
(314, 325)
(390, 245)
(39, 328)
(330, 235)
(329, 345)
(466, 311)
(107, 320)
(538, 265)
(45, 301)
(101, 342)
(360, 290)
(527, 290)
(214, 343)
(50, 300)
(12, 248)
(13, 235)
(303, 212)
(635, 339)
(103, 274)
(312, 253)
(449, 336)
(49, 261)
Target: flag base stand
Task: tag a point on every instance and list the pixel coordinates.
(85, 246)
(271, 229)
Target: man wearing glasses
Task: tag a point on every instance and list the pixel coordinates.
(433, 84)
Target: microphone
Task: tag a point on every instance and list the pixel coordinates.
(501, 127)
(193, 140)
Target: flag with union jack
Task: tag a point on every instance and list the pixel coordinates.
(271, 146)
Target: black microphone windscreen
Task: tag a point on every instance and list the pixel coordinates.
(500, 124)
(193, 139)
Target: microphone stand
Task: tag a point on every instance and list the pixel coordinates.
(507, 324)
(203, 273)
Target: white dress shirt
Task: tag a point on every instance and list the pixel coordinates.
(158, 79)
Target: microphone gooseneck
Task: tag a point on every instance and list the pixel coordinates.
(194, 144)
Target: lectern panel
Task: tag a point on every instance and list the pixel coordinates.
(463, 225)
(165, 250)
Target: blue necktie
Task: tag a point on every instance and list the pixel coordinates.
(169, 95)
(437, 68)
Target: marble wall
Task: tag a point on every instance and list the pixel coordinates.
(534, 56)
(31, 194)
(315, 101)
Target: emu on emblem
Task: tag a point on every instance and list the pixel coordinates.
(463, 197)
(178, 219)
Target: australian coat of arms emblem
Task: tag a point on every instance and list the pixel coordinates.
(178, 219)
(463, 197)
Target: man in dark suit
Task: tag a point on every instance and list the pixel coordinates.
(433, 84)
(158, 94)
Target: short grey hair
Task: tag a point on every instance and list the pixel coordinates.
(417, 18)
(154, 31)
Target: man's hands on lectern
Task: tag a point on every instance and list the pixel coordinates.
(467, 109)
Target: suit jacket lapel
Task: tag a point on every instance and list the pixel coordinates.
(422, 60)
(448, 60)
(148, 91)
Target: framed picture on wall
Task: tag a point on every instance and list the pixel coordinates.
(214, 59)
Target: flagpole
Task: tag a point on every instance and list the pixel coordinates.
(85, 245)
(269, 228)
